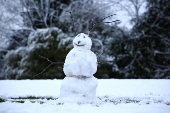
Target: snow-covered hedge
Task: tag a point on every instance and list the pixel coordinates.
(25, 62)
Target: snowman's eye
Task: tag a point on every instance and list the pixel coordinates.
(78, 35)
(84, 36)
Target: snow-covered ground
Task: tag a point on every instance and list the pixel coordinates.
(113, 96)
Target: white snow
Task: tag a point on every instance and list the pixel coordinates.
(114, 96)
(82, 62)
(78, 90)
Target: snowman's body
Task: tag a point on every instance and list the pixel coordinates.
(79, 85)
(80, 63)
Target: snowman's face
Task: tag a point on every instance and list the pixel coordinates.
(82, 41)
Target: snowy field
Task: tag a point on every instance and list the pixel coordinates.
(113, 96)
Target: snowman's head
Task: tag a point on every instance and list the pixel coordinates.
(82, 41)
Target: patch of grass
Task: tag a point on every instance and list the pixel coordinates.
(157, 101)
(35, 97)
(41, 102)
(148, 102)
(132, 101)
(97, 105)
(167, 103)
(29, 97)
(99, 98)
(19, 101)
(60, 103)
(51, 98)
(2, 100)
(32, 101)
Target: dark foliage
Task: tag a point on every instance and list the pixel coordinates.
(146, 54)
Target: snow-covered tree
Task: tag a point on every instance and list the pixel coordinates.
(24, 62)
(155, 37)
(10, 20)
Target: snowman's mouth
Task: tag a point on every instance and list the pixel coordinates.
(79, 45)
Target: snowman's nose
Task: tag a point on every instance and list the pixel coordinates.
(79, 42)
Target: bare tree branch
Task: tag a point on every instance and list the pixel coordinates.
(44, 70)
(105, 61)
(51, 63)
(112, 21)
(108, 17)
(73, 29)
(94, 23)
(92, 26)
(28, 14)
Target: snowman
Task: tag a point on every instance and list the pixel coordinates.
(79, 85)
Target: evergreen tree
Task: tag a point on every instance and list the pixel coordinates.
(26, 63)
(155, 38)
(146, 53)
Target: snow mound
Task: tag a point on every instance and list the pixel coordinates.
(78, 90)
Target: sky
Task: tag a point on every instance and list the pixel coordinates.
(121, 14)
(125, 18)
